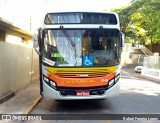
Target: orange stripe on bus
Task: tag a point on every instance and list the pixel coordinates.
(81, 81)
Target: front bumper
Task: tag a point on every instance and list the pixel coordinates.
(51, 93)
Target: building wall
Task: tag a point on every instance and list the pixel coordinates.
(18, 67)
(2, 35)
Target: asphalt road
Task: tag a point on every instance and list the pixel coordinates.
(137, 96)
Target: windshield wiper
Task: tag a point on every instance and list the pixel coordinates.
(98, 33)
(67, 36)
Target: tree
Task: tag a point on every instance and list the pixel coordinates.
(141, 20)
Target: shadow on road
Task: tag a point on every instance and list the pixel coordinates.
(82, 106)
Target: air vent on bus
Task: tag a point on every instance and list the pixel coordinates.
(83, 75)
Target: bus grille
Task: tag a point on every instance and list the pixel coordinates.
(72, 91)
(83, 75)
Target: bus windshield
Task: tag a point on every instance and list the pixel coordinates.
(82, 47)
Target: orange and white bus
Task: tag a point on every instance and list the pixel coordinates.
(79, 55)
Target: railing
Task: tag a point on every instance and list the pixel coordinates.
(152, 62)
(146, 51)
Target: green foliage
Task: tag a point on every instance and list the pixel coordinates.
(141, 20)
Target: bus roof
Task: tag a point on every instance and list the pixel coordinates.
(85, 11)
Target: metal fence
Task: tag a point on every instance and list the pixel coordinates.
(152, 62)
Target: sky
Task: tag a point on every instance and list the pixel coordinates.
(19, 11)
(87, 4)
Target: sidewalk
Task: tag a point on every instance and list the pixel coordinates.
(21, 100)
(148, 78)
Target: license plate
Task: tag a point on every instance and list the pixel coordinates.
(82, 93)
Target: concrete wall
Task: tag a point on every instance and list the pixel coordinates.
(125, 54)
(152, 73)
(35, 66)
(17, 67)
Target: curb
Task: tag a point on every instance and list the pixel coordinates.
(6, 97)
(148, 78)
(32, 105)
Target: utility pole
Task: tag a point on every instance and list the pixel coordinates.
(30, 23)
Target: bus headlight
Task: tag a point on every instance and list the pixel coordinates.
(111, 83)
(45, 79)
(117, 78)
(52, 84)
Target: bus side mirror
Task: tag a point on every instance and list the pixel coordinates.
(122, 39)
(36, 42)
